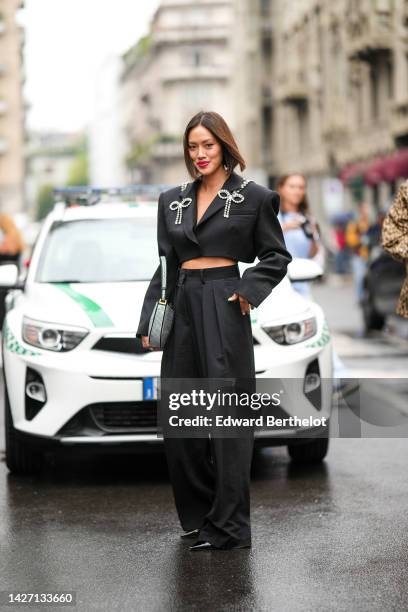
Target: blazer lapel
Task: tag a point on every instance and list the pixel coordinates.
(233, 182)
(189, 219)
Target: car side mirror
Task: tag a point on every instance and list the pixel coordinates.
(302, 269)
(9, 277)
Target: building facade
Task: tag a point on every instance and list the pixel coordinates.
(49, 157)
(11, 108)
(198, 56)
(310, 86)
(340, 106)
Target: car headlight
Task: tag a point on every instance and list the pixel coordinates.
(291, 333)
(51, 336)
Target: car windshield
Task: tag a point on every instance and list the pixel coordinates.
(99, 250)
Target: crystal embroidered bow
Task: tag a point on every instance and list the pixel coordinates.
(224, 194)
(179, 205)
(235, 197)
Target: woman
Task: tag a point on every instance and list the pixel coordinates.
(302, 240)
(204, 229)
(299, 229)
(11, 249)
(358, 240)
(394, 238)
(11, 241)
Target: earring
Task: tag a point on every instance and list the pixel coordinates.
(225, 167)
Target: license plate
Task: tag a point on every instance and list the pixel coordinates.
(150, 388)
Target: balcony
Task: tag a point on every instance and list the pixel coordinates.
(293, 88)
(334, 127)
(195, 73)
(369, 33)
(191, 34)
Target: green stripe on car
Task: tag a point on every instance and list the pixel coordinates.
(96, 314)
(324, 338)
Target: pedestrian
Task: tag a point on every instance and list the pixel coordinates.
(395, 239)
(358, 240)
(11, 241)
(302, 239)
(204, 229)
(298, 226)
(341, 249)
(12, 247)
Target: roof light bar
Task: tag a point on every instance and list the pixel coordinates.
(90, 195)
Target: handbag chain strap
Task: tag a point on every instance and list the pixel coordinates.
(163, 264)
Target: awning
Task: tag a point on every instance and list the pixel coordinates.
(397, 165)
(380, 169)
(351, 171)
(374, 171)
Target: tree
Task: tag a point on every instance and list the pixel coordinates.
(45, 201)
(78, 171)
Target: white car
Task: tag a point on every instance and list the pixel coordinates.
(75, 375)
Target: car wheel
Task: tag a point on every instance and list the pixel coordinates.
(310, 451)
(373, 320)
(20, 459)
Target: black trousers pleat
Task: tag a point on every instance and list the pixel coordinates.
(210, 338)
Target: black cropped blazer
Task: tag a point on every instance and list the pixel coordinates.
(250, 229)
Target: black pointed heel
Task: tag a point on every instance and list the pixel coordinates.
(190, 534)
(203, 546)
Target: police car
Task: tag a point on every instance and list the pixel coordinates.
(76, 376)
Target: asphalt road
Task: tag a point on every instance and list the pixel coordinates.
(331, 537)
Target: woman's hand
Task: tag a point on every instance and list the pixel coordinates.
(243, 302)
(146, 344)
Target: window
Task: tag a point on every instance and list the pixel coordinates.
(99, 250)
(303, 123)
(265, 8)
(374, 93)
(196, 58)
(390, 78)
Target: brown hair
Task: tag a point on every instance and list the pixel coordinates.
(304, 204)
(222, 133)
(13, 242)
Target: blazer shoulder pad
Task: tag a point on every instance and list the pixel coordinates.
(264, 193)
(173, 192)
(259, 190)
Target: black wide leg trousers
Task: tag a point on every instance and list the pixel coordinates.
(210, 338)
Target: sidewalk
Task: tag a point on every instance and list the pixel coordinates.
(336, 296)
(381, 354)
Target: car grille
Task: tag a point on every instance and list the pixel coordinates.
(120, 344)
(126, 344)
(125, 416)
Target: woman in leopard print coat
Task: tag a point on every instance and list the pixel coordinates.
(395, 239)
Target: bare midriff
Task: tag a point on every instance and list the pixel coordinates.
(207, 262)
